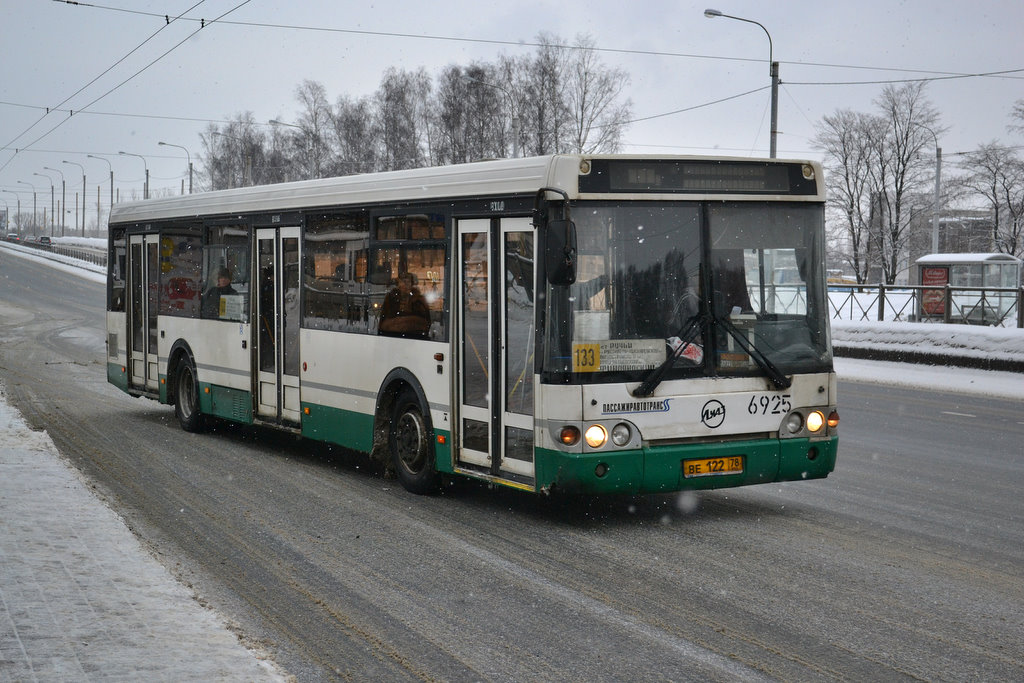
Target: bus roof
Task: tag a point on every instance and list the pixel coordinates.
(478, 179)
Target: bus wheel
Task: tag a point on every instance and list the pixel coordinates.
(412, 451)
(186, 407)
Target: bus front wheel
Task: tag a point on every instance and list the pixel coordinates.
(186, 405)
(412, 451)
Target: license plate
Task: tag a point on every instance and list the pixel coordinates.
(711, 467)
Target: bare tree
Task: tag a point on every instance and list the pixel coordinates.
(996, 174)
(845, 138)
(355, 137)
(900, 170)
(235, 154)
(593, 96)
(311, 139)
(397, 120)
(544, 118)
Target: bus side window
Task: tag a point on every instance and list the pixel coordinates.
(334, 257)
(226, 274)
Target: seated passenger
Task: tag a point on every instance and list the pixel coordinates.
(405, 312)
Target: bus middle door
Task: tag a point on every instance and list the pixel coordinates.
(277, 319)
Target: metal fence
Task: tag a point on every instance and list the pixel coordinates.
(95, 256)
(993, 306)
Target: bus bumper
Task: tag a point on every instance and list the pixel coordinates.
(660, 469)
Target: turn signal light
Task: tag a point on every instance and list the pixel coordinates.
(833, 419)
(569, 435)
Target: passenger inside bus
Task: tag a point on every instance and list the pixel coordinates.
(211, 297)
(404, 312)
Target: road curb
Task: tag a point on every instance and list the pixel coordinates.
(927, 358)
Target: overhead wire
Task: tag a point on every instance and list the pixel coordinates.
(204, 24)
(58, 106)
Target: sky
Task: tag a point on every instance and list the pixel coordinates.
(133, 78)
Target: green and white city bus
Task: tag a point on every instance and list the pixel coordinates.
(578, 323)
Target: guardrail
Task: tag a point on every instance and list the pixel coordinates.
(993, 306)
(94, 256)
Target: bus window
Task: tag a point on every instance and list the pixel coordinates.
(407, 276)
(226, 273)
(337, 294)
(181, 270)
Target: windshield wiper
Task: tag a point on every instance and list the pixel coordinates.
(688, 333)
(692, 328)
(774, 374)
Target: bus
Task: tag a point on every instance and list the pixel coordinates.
(570, 323)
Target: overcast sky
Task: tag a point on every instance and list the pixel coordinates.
(677, 59)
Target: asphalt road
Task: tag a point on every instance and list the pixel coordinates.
(907, 563)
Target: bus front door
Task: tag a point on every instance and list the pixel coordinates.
(144, 300)
(496, 348)
(277, 318)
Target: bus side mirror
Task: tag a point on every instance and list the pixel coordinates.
(560, 257)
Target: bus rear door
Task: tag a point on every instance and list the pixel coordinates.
(143, 308)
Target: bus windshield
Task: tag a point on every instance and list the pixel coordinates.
(722, 288)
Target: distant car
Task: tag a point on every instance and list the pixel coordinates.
(45, 243)
(13, 237)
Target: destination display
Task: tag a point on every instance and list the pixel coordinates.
(700, 176)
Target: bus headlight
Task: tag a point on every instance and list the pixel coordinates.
(596, 436)
(815, 421)
(621, 434)
(794, 423)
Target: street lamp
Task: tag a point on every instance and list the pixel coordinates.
(111, 167)
(35, 220)
(145, 188)
(18, 215)
(511, 108)
(247, 179)
(72, 163)
(936, 202)
(773, 71)
(41, 175)
(63, 195)
(187, 156)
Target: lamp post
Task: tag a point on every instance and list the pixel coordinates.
(17, 215)
(773, 71)
(247, 178)
(63, 195)
(35, 220)
(511, 108)
(936, 202)
(84, 193)
(187, 156)
(51, 200)
(111, 167)
(145, 188)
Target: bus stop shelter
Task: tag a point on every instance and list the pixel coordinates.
(968, 288)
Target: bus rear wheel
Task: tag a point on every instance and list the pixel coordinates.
(412, 450)
(186, 405)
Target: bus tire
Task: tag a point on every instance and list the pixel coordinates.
(411, 445)
(186, 404)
